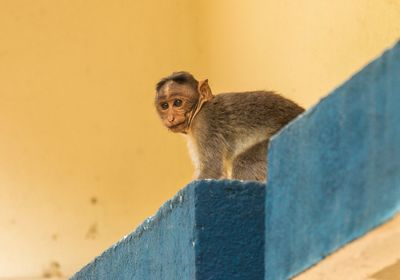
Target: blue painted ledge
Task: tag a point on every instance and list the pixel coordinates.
(209, 230)
(335, 172)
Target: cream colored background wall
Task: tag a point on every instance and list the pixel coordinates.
(83, 157)
(302, 49)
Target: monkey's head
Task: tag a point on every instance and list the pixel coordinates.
(179, 97)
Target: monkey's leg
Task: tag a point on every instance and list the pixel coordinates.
(252, 163)
(211, 165)
(211, 171)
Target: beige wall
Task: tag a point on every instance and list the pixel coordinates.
(77, 122)
(83, 157)
(302, 49)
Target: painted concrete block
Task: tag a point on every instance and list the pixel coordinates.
(334, 174)
(335, 171)
(209, 230)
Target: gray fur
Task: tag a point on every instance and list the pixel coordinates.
(236, 127)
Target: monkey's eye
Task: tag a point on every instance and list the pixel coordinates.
(164, 105)
(177, 103)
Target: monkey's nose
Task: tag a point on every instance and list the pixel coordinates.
(171, 118)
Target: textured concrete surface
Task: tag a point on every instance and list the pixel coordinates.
(209, 230)
(335, 171)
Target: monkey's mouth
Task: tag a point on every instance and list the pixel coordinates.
(176, 126)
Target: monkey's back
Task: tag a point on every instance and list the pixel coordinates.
(248, 111)
(241, 120)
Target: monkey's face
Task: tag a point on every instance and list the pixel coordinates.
(174, 103)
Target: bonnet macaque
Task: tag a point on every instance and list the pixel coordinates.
(227, 133)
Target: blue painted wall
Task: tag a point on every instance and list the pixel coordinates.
(335, 172)
(209, 230)
(230, 230)
(161, 248)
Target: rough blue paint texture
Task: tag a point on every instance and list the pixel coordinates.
(230, 230)
(335, 171)
(160, 248)
(209, 230)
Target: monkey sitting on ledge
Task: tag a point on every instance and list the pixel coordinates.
(227, 133)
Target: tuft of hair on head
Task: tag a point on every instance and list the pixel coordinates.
(181, 77)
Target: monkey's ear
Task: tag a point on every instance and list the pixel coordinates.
(205, 90)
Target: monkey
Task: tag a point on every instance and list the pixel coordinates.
(227, 133)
